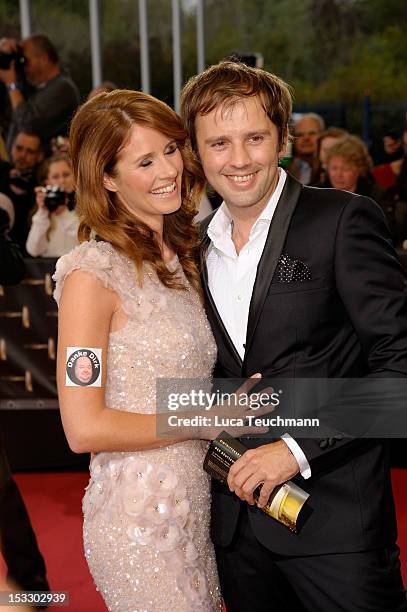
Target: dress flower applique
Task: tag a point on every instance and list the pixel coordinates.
(181, 505)
(158, 510)
(99, 490)
(137, 469)
(138, 307)
(134, 499)
(159, 301)
(190, 552)
(114, 468)
(190, 524)
(162, 518)
(167, 537)
(92, 256)
(98, 256)
(135, 490)
(163, 481)
(192, 582)
(141, 303)
(141, 533)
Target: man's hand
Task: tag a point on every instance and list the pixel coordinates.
(8, 45)
(227, 414)
(270, 465)
(10, 75)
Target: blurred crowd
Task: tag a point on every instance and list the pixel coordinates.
(36, 183)
(332, 157)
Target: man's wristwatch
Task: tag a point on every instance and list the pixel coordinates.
(12, 86)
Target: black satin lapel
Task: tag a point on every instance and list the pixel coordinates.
(272, 250)
(214, 315)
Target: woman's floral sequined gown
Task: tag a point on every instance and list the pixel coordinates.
(146, 513)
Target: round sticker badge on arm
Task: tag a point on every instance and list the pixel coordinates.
(83, 367)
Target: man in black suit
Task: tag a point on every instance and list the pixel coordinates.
(299, 282)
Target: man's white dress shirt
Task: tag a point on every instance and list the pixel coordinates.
(231, 279)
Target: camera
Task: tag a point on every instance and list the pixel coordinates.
(54, 197)
(7, 58)
(23, 179)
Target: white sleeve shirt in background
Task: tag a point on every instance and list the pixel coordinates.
(62, 238)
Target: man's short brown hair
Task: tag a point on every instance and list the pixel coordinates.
(227, 83)
(42, 44)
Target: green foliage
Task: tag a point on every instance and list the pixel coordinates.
(328, 50)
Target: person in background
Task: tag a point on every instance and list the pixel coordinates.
(3, 150)
(305, 164)
(326, 139)
(386, 174)
(348, 166)
(59, 144)
(394, 204)
(18, 180)
(392, 146)
(18, 544)
(47, 110)
(104, 87)
(7, 205)
(55, 224)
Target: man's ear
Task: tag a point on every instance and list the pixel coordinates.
(109, 183)
(284, 143)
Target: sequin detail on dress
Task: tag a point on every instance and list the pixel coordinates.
(146, 513)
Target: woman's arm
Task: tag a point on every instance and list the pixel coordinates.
(85, 317)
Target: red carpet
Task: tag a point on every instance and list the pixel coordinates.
(53, 501)
(54, 504)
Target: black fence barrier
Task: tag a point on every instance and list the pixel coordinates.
(28, 335)
(29, 410)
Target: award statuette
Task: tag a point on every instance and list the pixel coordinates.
(286, 500)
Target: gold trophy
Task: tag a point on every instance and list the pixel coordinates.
(286, 500)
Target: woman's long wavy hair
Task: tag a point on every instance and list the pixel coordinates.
(99, 131)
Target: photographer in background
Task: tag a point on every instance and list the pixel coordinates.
(18, 180)
(54, 229)
(18, 544)
(48, 109)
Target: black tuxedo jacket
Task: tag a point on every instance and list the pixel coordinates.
(342, 313)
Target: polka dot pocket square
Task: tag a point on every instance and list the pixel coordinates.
(291, 270)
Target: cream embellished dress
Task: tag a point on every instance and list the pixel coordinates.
(146, 513)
